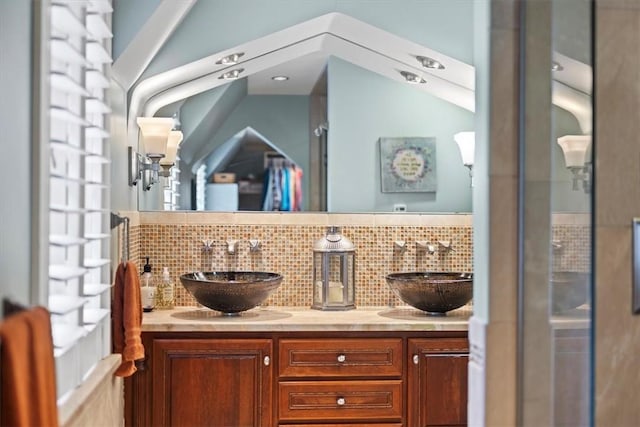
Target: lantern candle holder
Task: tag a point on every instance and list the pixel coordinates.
(334, 270)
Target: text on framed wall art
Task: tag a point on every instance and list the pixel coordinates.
(408, 164)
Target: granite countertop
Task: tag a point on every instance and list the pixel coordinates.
(288, 319)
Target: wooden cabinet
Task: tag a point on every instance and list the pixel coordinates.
(437, 382)
(199, 382)
(300, 378)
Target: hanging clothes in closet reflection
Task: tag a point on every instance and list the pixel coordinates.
(282, 189)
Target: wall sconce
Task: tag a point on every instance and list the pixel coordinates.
(467, 144)
(155, 134)
(167, 162)
(575, 149)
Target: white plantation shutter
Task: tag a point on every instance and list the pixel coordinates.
(79, 266)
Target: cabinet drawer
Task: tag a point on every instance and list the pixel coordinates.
(370, 357)
(343, 425)
(375, 400)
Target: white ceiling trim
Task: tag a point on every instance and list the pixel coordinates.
(454, 84)
(139, 53)
(576, 102)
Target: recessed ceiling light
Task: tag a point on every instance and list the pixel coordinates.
(412, 78)
(430, 63)
(280, 78)
(232, 75)
(555, 66)
(230, 59)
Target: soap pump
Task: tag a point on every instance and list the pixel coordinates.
(148, 290)
(165, 293)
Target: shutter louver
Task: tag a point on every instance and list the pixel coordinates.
(79, 183)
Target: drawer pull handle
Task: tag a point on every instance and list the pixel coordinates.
(416, 359)
(341, 401)
(342, 358)
(267, 361)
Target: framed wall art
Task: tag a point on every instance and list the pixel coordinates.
(408, 164)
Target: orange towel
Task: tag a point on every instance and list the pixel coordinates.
(126, 318)
(28, 370)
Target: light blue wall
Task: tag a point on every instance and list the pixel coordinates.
(215, 25)
(15, 128)
(364, 106)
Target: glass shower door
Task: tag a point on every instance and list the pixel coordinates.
(555, 325)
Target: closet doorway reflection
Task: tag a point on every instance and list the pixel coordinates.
(251, 174)
(282, 184)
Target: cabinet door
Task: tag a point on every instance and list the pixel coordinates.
(212, 382)
(437, 382)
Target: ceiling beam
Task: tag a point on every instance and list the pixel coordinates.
(139, 53)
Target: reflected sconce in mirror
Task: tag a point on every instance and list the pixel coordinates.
(155, 134)
(173, 143)
(467, 145)
(577, 158)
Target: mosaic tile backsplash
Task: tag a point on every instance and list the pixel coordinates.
(287, 249)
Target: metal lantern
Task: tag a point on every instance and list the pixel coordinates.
(334, 271)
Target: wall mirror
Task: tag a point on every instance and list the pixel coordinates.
(572, 109)
(354, 94)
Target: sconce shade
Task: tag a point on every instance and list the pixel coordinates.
(466, 143)
(155, 132)
(575, 148)
(175, 138)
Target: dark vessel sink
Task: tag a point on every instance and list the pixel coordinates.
(231, 292)
(432, 292)
(569, 290)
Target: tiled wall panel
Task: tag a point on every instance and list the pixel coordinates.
(287, 249)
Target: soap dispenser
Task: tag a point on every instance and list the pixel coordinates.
(165, 293)
(148, 289)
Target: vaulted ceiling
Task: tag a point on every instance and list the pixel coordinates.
(168, 53)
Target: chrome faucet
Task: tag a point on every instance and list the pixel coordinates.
(424, 246)
(232, 246)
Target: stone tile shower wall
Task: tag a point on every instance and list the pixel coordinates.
(287, 249)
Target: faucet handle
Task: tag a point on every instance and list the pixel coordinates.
(399, 246)
(255, 245)
(207, 245)
(557, 245)
(445, 245)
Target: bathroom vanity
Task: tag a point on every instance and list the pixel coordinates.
(295, 367)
